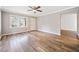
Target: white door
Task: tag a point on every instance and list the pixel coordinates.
(32, 24)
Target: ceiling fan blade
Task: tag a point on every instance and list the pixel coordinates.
(39, 10)
(30, 7)
(37, 7)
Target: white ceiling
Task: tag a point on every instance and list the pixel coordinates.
(46, 10)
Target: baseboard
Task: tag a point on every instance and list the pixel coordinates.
(17, 33)
(49, 33)
(32, 30)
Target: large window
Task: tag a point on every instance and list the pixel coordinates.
(17, 21)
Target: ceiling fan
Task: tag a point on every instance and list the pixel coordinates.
(35, 9)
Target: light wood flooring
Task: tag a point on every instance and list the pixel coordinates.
(37, 41)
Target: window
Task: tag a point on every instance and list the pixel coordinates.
(17, 21)
(22, 22)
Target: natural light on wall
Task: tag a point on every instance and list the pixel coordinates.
(69, 22)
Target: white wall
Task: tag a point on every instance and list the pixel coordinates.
(49, 23)
(6, 24)
(0, 21)
(69, 22)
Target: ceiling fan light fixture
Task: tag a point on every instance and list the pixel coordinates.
(35, 9)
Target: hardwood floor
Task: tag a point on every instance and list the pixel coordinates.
(38, 42)
(69, 33)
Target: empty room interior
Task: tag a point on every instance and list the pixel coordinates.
(39, 28)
